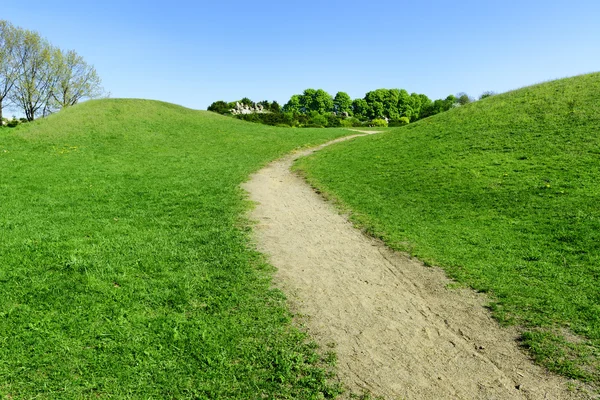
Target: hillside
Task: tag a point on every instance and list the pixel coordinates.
(501, 193)
(125, 266)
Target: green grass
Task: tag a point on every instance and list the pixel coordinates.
(125, 264)
(504, 195)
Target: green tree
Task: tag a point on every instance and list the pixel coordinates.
(306, 101)
(342, 103)
(449, 102)
(415, 102)
(425, 106)
(406, 106)
(438, 106)
(316, 100)
(310, 100)
(293, 105)
(391, 103)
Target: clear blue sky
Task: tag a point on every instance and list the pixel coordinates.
(193, 53)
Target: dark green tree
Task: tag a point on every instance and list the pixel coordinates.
(463, 99)
(486, 94)
(266, 104)
(275, 107)
(220, 107)
(360, 108)
(390, 103)
(449, 102)
(246, 101)
(425, 106)
(375, 103)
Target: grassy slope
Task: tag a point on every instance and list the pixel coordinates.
(125, 270)
(503, 194)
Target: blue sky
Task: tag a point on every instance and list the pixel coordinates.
(193, 53)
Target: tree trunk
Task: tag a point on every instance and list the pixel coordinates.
(1, 120)
(29, 112)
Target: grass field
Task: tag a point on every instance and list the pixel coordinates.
(503, 194)
(125, 264)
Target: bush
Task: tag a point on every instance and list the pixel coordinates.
(351, 122)
(249, 117)
(12, 123)
(399, 122)
(346, 123)
(220, 107)
(316, 120)
(487, 94)
(290, 119)
(334, 121)
(379, 122)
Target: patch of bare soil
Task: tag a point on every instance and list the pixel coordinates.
(397, 328)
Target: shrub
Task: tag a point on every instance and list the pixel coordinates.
(275, 107)
(350, 122)
(249, 117)
(379, 122)
(316, 120)
(399, 122)
(346, 123)
(463, 99)
(290, 119)
(220, 107)
(487, 94)
(334, 121)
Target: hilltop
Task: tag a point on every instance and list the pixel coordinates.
(502, 193)
(125, 265)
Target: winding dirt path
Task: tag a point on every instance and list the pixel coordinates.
(397, 329)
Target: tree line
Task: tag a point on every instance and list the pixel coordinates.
(317, 108)
(39, 78)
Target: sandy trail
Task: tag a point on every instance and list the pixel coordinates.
(397, 329)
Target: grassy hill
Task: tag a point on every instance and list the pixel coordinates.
(125, 266)
(503, 193)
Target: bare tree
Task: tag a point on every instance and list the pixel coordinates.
(75, 80)
(35, 79)
(8, 64)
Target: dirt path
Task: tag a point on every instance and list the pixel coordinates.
(397, 329)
